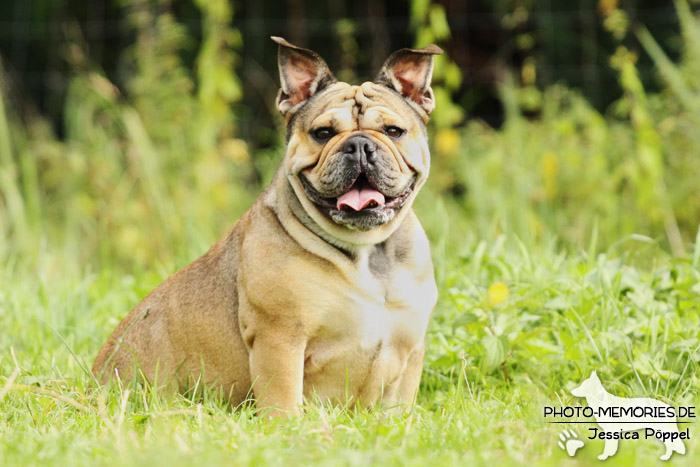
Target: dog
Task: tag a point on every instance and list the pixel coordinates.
(325, 287)
(609, 413)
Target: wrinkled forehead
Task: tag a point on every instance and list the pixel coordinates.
(347, 107)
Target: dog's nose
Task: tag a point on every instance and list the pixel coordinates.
(360, 148)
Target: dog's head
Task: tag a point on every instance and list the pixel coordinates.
(356, 154)
(590, 386)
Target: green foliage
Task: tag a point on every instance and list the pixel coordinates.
(576, 174)
(565, 314)
(430, 25)
(563, 243)
(131, 162)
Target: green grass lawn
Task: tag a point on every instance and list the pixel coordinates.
(564, 242)
(547, 318)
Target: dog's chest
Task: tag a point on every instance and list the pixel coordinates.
(367, 335)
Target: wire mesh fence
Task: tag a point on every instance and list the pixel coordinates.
(563, 40)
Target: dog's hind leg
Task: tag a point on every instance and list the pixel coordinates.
(609, 449)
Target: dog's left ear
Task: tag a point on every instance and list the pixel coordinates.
(408, 71)
(302, 74)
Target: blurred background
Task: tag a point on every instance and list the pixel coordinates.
(135, 132)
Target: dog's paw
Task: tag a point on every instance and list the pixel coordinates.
(569, 442)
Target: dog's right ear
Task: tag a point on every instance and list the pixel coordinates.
(302, 74)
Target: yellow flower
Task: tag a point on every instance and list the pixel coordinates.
(447, 141)
(497, 293)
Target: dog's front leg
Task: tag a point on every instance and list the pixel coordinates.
(410, 380)
(277, 373)
(276, 347)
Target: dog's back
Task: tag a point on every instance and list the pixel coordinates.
(194, 312)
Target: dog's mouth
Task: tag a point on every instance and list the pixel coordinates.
(363, 206)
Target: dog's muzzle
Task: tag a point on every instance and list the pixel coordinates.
(367, 196)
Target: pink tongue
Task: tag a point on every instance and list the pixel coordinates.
(359, 198)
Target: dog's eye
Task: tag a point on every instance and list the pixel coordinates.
(323, 134)
(393, 131)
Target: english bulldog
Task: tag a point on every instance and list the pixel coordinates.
(325, 287)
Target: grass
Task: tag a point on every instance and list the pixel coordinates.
(562, 244)
(564, 316)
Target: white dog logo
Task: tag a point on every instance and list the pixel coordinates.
(618, 415)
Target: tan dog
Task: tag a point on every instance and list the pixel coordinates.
(326, 286)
